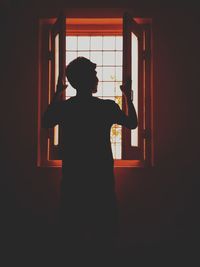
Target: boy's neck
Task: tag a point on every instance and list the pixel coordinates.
(83, 95)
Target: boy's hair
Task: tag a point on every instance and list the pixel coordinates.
(78, 71)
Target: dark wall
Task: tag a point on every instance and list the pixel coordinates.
(159, 205)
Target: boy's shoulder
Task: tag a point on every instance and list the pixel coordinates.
(104, 101)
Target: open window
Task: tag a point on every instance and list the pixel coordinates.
(136, 68)
(57, 63)
(121, 49)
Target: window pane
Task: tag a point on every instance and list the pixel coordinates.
(108, 88)
(118, 100)
(96, 57)
(99, 73)
(83, 42)
(71, 42)
(113, 150)
(70, 56)
(96, 42)
(109, 43)
(118, 71)
(112, 134)
(56, 59)
(116, 133)
(134, 74)
(118, 42)
(134, 63)
(108, 73)
(118, 91)
(55, 130)
(119, 58)
(118, 150)
(99, 90)
(109, 58)
(70, 91)
(134, 137)
(84, 54)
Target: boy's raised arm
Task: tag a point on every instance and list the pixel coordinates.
(131, 121)
(52, 114)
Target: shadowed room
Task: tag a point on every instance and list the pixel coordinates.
(156, 171)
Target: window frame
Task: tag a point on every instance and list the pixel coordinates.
(131, 26)
(142, 29)
(57, 29)
(145, 133)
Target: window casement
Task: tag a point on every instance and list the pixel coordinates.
(121, 48)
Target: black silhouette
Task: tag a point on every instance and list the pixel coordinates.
(89, 211)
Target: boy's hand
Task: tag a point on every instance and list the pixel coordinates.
(60, 85)
(126, 89)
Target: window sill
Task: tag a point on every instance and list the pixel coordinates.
(117, 164)
(128, 163)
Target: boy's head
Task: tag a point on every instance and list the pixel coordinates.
(81, 74)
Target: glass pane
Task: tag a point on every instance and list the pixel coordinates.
(55, 141)
(99, 90)
(134, 137)
(118, 151)
(134, 74)
(118, 42)
(118, 100)
(83, 42)
(84, 54)
(71, 42)
(108, 88)
(109, 43)
(70, 91)
(118, 91)
(134, 63)
(113, 150)
(112, 134)
(99, 73)
(119, 58)
(96, 42)
(56, 59)
(96, 57)
(108, 73)
(116, 133)
(109, 58)
(118, 71)
(70, 56)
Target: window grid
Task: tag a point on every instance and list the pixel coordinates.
(106, 52)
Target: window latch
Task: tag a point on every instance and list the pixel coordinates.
(146, 134)
(50, 55)
(146, 54)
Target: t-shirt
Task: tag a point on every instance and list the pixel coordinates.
(85, 125)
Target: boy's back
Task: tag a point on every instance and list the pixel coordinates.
(86, 125)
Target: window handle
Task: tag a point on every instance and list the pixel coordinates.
(146, 134)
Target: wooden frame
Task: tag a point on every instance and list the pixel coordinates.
(57, 34)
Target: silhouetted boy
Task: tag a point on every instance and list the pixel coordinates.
(89, 215)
